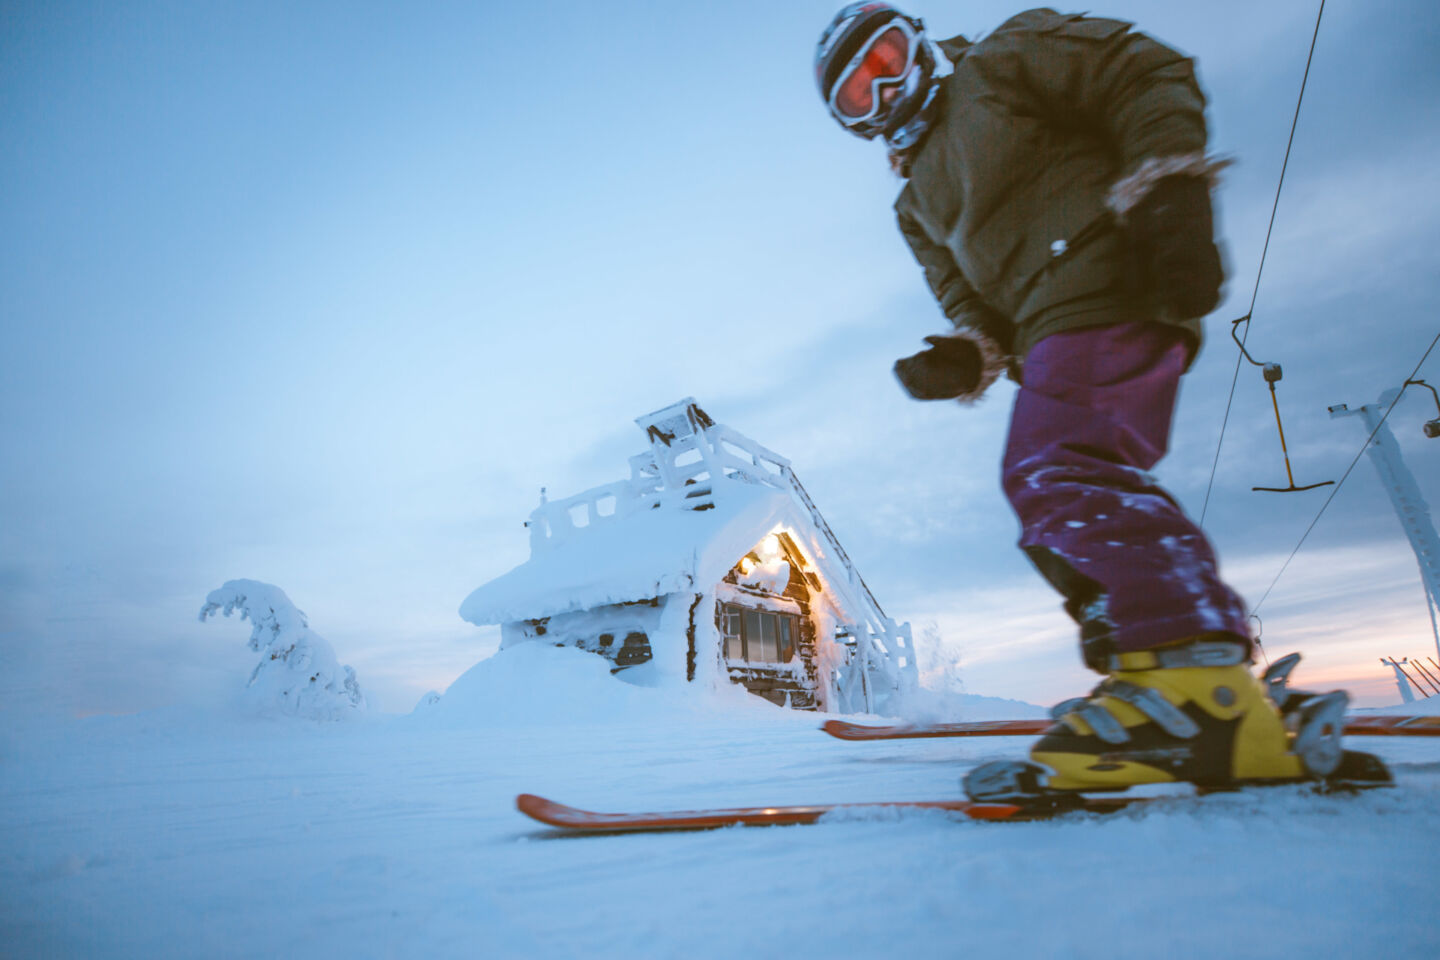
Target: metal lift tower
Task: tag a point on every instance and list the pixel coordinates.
(1399, 482)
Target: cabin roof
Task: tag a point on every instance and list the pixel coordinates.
(641, 556)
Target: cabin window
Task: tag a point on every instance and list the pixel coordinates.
(758, 636)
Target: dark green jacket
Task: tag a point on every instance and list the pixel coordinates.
(1005, 204)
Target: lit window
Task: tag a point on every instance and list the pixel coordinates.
(758, 636)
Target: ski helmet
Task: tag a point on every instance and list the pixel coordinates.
(873, 65)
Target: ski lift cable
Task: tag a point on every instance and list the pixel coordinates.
(1363, 447)
(1260, 271)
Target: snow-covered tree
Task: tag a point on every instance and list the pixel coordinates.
(298, 674)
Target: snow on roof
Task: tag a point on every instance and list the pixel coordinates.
(638, 557)
(701, 498)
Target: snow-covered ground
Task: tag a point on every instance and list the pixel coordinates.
(172, 834)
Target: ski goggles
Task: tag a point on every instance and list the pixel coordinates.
(884, 60)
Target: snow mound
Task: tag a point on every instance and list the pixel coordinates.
(540, 684)
(536, 683)
(298, 674)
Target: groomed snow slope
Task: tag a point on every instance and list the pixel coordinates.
(170, 835)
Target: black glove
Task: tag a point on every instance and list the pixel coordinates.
(951, 367)
(1172, 237)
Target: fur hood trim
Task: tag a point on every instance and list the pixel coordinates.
(1132, 188)
(993, 362)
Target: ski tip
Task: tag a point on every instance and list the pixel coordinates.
(546, 811)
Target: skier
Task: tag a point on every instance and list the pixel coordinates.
(1057, 197)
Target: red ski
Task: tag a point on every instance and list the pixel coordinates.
(1363, 725)
(1358, 771)
(1377, 725)
(588, 821)
(846, 730)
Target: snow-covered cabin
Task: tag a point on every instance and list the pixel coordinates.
(710, 562)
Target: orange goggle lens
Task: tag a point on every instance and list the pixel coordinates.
(887, 60)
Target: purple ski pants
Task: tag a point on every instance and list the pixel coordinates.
(1090, 421)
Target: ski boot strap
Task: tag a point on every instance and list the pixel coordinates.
(1148, 701)
(1203, 653)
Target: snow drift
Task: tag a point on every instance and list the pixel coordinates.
(542, 684)
(298, 674)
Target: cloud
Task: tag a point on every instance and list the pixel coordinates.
(1342, 607)
(1351, 229)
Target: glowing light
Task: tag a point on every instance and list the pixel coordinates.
(769, 547)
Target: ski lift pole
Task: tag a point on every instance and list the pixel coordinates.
(1431, 602)
(1273, 374)
(1402, 680)
(1403, 489)
(1431, 430)
(1284, 448)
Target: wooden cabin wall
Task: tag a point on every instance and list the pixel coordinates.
(619, 632)
(775, 684)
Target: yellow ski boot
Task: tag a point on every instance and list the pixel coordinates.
(1191, 713)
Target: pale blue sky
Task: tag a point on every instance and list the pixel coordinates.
(321, 294)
